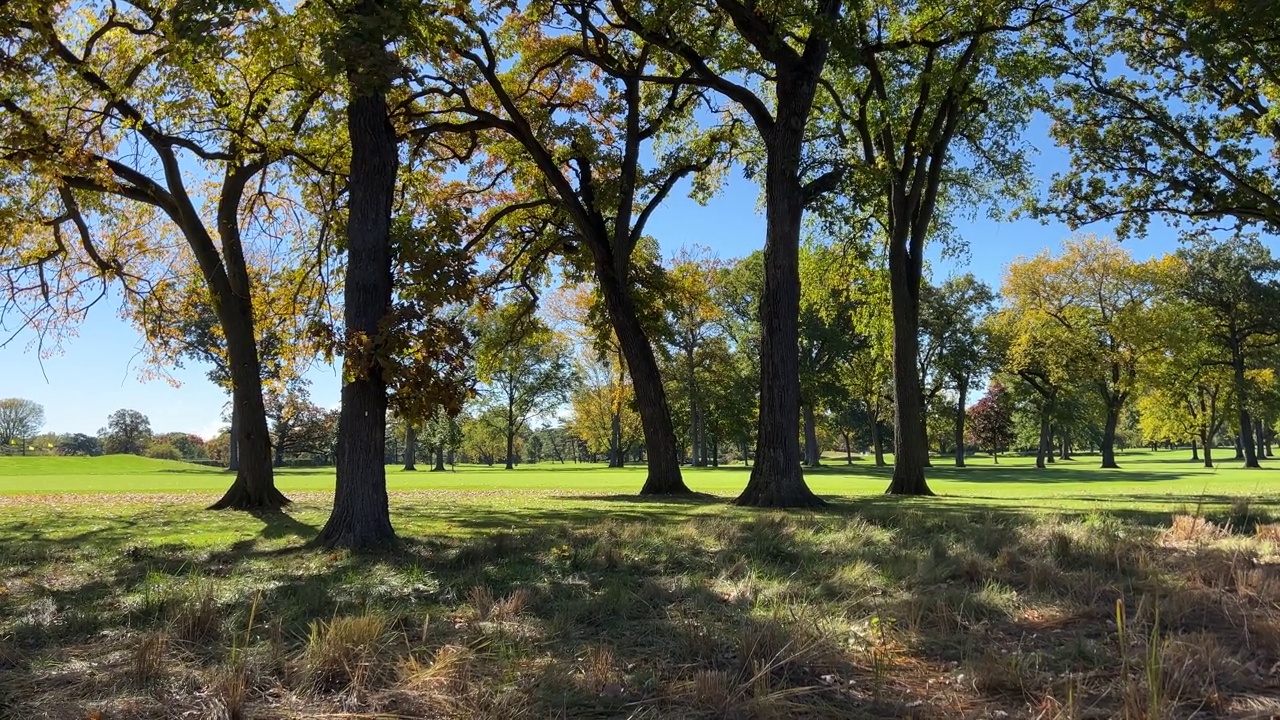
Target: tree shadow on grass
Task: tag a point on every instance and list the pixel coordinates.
(873, 607)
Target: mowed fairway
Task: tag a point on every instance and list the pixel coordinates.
(553, 591)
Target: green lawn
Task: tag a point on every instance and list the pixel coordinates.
(1146, 481)
(553, 591)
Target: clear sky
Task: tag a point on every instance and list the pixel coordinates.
(98, 371)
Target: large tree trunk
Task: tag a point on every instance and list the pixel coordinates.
(233, 444)
(1046, 436)
(1242, 400)
(662, 453)
(925, 460)
(511, 446)
(410, 447)
(1109, 436)
(877, 442)
(1207, 441)
(254, 487)
(1239, 448)
(1065, 442)
(908, 431)
(963, 392)
(812, 455)
(361, 518)
(1195, 450)
(439, 465)
(1260, 432)
(615, 441)
(277, 449)
(776, 479)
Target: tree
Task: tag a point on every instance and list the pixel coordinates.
(934, 121)
(829, 300)
(693, 320)
(1102, 301)
(107, 110)
(79, 444)
(1168, 109)
(866, 375)
(954, 350)
(524, 370)
(787, 48)
(127, 432)
(186, 445)
(361, 517)
(991, 421)
(583, 171)
(1236, 285)
(20, 419)
(298, 426)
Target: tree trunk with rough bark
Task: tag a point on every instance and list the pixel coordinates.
(963, 394)
(1046, 438)
(1242, 398)
(361, 517)
(908, 431)
(662, 453)
(812, 455)
(1207, 442)
(254, 487)
(776, 479)
(510, 462)
(233, 445)
(410, 447)
(877, 442)
(615, 441)
(1109, 436)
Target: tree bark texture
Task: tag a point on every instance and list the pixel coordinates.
(909, 450)
(776, 479)
(361, 516)
(1109, 436)
(960, 418)
(662, 452)
(410, 447)
(812, 454)
(1242, 398)
(254, 487)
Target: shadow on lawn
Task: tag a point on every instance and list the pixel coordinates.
(661, 592)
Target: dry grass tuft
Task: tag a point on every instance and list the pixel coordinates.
(1191, 528)
(1193, 670)
(447, 672)
(194, 616)
(1268, 532)
(598, 669)
(1004, 673)
(346, 654)
(229, 690)
(147, 660)
(489, 608)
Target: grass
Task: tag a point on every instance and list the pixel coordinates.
(1153, 591)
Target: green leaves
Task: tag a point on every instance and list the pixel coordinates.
(1168, 109)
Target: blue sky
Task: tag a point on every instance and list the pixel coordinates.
(97, 373)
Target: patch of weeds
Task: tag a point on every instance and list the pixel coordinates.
(348, 654)
(147, 659)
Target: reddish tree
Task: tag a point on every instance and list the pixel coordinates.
(991, 421)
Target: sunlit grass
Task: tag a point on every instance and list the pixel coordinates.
(553, 591)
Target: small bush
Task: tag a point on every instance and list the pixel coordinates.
(163, 451)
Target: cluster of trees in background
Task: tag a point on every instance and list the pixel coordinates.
(262, 183)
